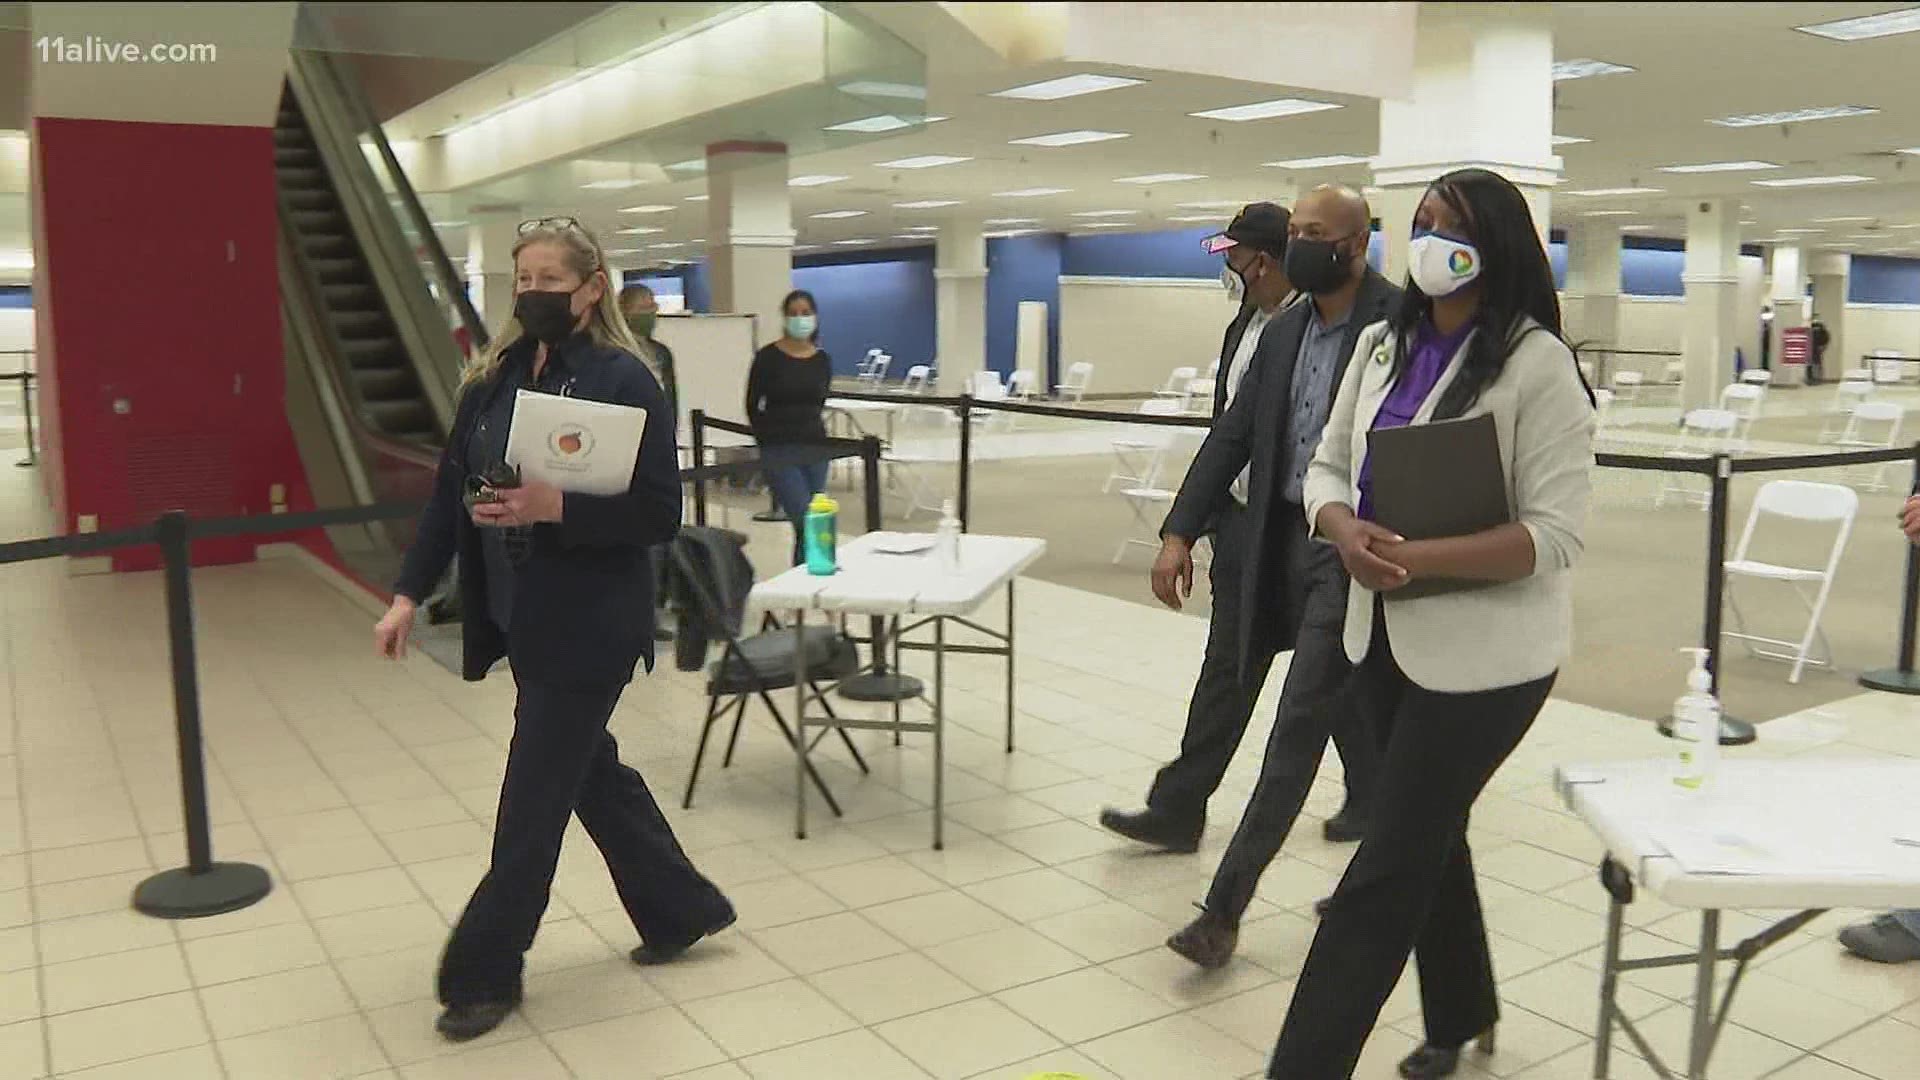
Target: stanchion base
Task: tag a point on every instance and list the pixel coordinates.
(182, 894)
(1892, 680)
(1732, 732)
(881, 686)
(770, 515)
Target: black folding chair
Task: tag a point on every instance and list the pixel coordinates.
(758, 666)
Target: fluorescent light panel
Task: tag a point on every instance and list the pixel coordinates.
(1720, 166)
(872, 124)
(609, 185)
(1214, 204)
(1867, 27)
(1104, 213)
(926, 204)
(1066, 87)
(1603, 192)
(1568, 140)
(1635, 228)
(870, 88)
(1815, 181)
(1586, 69)
(922, 161)
(1266, 110)
(1324, 161)
(1608, 213)
(1794, 116)
(698, 164)
(640, 230)
(814, 180)
(1197, 217)
(1106, 225)
(1914, 150)
(1160, 178)
(1785, 231)
(699, 198)
(1031, 193)
(1069, 138)
(1007, 221)
(1837, 220)
(651, 208)
(835, 215)
(851, 243)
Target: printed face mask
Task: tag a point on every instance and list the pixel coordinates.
(1441, 265)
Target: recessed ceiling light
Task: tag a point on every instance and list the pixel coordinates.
(814, 180)
(1107, 225)
(1213, 204)
(1864, 27)
(1030, 193)
(703, 198)
(1324, 161)
(1837, 220)
(651, 208)
(698, 164)
(872, 124)
(1011, 221)
(1068, 138)
(851, 243)
(1602, 192)
(1264, 110)
(1105, 213)
(1785, 231)
(922, 161)
(1066, 87)
(1635, 228)
(1720, 166)
(1159, 178)
(1608, 213)
(609, 185)
(1195, 217)
(869, 88)
(835, 215)
(1586, 69)
(1568, 140)
(640, 230)
(1815, 181)
(1794, 116)
(926, 204)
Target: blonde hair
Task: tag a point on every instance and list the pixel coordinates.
(605, 323)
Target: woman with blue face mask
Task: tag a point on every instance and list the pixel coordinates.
(1450, 681)
(786, 398)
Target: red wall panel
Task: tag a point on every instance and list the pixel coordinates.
(160, 325)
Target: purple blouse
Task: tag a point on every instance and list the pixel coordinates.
(1432, 351)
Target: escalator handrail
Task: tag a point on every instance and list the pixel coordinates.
(450, 283)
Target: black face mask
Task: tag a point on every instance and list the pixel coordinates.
(1316, 266)
(547, 316)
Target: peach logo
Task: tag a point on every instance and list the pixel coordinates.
(570, 441)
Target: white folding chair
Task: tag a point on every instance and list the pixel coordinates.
(1074, 386)
(1745, 400)
(1179, 385)
(1603, 417)
(1848, 395)
(916, 381)
(1200, 395)
(1803, 501)
(1703, 433)
(863, 371)
(1626, 386)
(1886, 372)
(1144, 498)
(906, 473)
(1134, 452)
(877, 372)
(1874, 425)
(1757, 376)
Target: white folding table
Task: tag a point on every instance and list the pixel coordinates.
(1805, 835)
(871, 581)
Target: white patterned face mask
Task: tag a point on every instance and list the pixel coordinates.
(1441, 265)
(1236, 289)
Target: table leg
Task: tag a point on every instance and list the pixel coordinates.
(895, 631)
(1609, 990)
(939, 733)
(1009, 667)
(799, 725)
(1702, 1042)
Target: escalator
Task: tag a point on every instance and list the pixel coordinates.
(370, 306)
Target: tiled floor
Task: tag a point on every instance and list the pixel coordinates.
(1032, 943)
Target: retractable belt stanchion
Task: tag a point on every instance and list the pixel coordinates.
(965, 484)
(1901, 678)
(697, 425)
(202, 887)
(1732, 732)
(879, 682)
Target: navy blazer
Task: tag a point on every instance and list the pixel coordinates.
(583, 599)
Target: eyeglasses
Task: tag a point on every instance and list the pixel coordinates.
(557, 224)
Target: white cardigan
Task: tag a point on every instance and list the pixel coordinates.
(1502, 634)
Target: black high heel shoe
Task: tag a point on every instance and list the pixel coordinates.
(1433, 1062)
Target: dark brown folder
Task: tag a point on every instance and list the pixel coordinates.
(1437, 480)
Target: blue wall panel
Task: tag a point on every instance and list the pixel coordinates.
(16, 296)
(1023, 268)
(1651, 272)
(1883, 279)
(876, 301)
(1140, 254)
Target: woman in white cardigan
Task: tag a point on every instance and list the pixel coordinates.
(1452, 681)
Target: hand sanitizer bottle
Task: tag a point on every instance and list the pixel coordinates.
(1696, 727)
(946, 542)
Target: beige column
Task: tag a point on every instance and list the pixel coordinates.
(960, 303)
(490, 239)
(1712, 319)
(1593, 282)
(1829, 271)
(750, 230)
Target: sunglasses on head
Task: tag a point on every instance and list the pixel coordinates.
(558, 224)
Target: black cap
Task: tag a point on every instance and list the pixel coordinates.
(1261, 226)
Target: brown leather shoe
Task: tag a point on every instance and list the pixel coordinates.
(1208, 940)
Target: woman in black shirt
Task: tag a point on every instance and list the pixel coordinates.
(786, 393)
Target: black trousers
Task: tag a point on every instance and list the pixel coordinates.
(1314, 705)
(1410, 887)
(1223, 701)
(563, 762)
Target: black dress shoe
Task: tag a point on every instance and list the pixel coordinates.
(1155, 828)
(651, 953)
(1349, 826)
(1208, 940)
(459, 1023)
(1433, 1062)
(1321, 906)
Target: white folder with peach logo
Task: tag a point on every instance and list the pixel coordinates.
(575, 444)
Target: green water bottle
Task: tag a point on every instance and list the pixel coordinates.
(822, 534)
